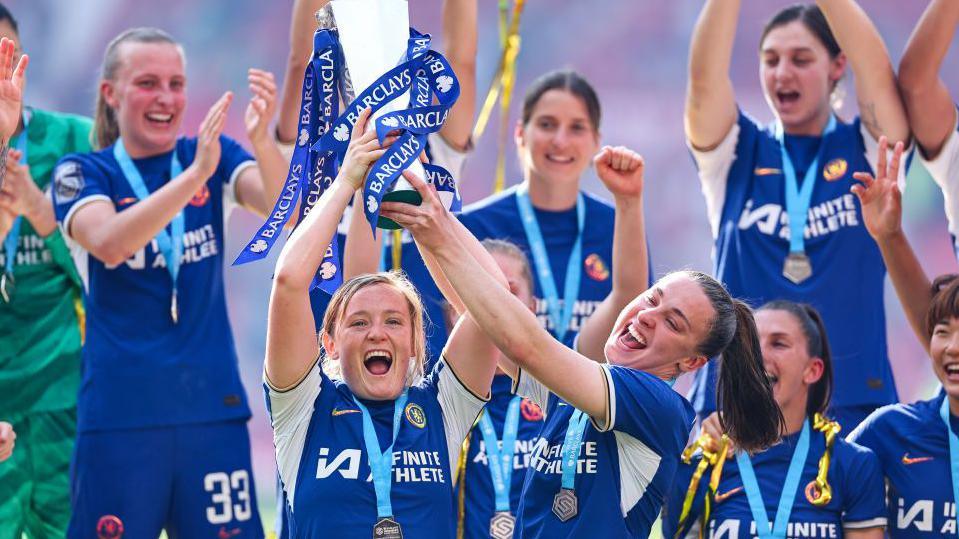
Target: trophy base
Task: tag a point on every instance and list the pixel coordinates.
(409, 197)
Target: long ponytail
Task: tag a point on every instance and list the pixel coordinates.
(106, 130)
(750, 415)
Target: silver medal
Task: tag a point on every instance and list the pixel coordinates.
(6, 287)
(387, 528)
(797, 267)
(501, 525)
(565, 504)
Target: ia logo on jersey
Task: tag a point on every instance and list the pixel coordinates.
(415, 415)
(835, 170)
(444, 83)
(341, 133)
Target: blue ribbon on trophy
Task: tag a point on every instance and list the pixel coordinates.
(402, 100)
(311, 172)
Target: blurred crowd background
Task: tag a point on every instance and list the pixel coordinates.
(634, 53)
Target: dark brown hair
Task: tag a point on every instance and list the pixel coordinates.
(945, 301)
(563, 79)
(817, 345)
(749, 413)
(812, 18)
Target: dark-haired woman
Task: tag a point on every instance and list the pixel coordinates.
(564, 230)
(784, 223)
(916, 443)
(614, 427)
(162, 439)
(812, 484)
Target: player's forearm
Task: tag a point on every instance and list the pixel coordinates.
(910, 281)
(273, 169)
(362, 252)
(710, 101)
(630, 255)
(460, 46)
(124, 233)
(302, 26)
(40, 215)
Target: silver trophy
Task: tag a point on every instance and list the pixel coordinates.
(373, 35)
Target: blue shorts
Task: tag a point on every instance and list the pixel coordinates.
(194, 481)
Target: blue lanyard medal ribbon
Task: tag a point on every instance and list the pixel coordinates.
(311, 171)
(953, 449)
(501, 467)
(560, 317)
(786, 498)
(565, 503)
(797, 267)
(7, 282)
(170, 243)
(381, 468)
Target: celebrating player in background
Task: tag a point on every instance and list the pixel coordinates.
(40, 315)
(487, 509)
(448, 148)
(564, 230)
(812, 480)
(916, 443)
(614, 431)
(932, 113)
(161, 403)
(365, 398)
(753, 177)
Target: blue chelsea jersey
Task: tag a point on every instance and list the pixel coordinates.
(139, 368)
(498, 217)
(913, 449)
(324, 468)
(744, 187)
(854, 474)
(625, 468)
(479, 500)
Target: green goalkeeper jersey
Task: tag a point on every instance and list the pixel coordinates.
(40, 327)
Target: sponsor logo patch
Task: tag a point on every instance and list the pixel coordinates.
(109, 527)
(596, 267)
(67, 182)
(415, 415)
(530, 410)
(834, 170)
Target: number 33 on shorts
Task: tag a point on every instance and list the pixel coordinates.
(230, 496)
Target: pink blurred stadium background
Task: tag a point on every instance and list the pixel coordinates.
(633, 52)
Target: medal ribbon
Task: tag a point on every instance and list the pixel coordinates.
(559, 317)
(571, 447)
(788, 496)
(169, 243)
(381, 462)
(501, 459)
(798, 199)
(311, 171)
(13, 236)
(953, 448)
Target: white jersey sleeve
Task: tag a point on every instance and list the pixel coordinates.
(446, 156)
(290, 413)
(460, 409)
(713, 167)
(526, 386)
(944, 170)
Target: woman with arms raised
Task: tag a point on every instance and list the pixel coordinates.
(614, 427)
(364, 409)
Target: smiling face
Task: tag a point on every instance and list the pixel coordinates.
(148, 95)
(798, 77)
(661, 330)
(786, 357)
(373, 342)
(559, 140)
(944, 350)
